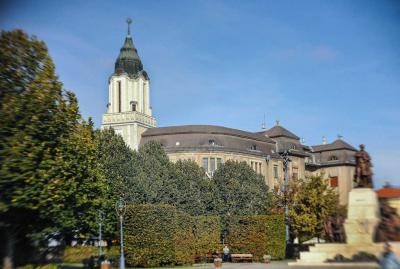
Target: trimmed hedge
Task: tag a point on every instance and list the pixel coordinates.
(158, 235)
(258, 235)
(184, 238)
(149, 235)
(207, 231)
(80, 253)
(275, 230)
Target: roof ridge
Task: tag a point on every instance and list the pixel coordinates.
(335, 145)
(280, 131)
(203, 129)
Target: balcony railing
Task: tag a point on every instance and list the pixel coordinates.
(125, 117)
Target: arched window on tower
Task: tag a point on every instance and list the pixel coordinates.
(133, 105)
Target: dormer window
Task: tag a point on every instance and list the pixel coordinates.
(253, 147)
(333, 158)
(292, 146)
(211, 142)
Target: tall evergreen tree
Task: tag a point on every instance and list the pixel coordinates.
(153, 174)
(116, 162)
(194, 192)
(241, 191)
(49, 182)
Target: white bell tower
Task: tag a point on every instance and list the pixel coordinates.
(128, 109)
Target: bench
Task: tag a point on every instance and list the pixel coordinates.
(241, 257)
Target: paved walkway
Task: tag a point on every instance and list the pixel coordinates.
(274, 265)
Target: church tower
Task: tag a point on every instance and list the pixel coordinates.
(128, 109)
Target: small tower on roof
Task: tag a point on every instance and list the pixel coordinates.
(128, 110)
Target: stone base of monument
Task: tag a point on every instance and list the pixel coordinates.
(362, 219)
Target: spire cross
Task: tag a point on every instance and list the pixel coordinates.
(129, 21)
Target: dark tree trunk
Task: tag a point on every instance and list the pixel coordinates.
(8, 260)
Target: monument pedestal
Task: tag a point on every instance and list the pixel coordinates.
(362, 219)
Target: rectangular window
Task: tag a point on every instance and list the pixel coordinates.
(275, 171)
(219, 163)
(212, 164)
(334, 182)
(205, 164)
(119, 96)
(295, 174)
(259, 168)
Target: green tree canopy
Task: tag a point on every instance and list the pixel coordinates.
(194, 192)
(49, 181)
(311, 203)
(116, 163)
(240, 190)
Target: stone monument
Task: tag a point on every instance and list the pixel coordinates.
(363, 217)
(363, 209)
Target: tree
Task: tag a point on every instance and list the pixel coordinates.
(313, 201)
(240, 190)
(49, 181)
(194, 193)
(116, 163)
(152, 174)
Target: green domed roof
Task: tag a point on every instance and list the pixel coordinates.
(128, 60)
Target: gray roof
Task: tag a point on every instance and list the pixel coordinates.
(337, 153)
(208, 138)
(335, 145)
(279, 131)
(206, 129)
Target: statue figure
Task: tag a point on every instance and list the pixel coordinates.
(363, 173)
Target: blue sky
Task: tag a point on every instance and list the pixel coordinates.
(322, 68)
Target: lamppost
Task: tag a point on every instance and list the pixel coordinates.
(120, 207)
(100, 220)
(286, 160)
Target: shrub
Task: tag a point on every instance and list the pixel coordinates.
(149, 235)
(184, 239)
(258, 235)
(157, 235)
(275, 231)
(80, 253)
(207, 231)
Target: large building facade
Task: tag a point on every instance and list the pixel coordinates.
(129, 113)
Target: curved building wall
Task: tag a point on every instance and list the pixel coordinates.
(210, 146)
